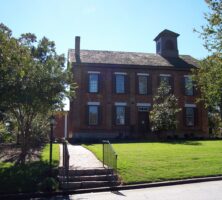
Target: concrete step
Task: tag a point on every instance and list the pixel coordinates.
(88, 172)
(109, 177)
(88, 184)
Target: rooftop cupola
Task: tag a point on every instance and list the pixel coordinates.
(166, 44)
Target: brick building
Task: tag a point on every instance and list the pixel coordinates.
(115, 90)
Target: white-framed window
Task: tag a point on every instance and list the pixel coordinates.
(190, 116)
(142, 84)
(93, 114)
(143, 108)
(120, 83)
(93, 82)
(189, 88)
(165, 78)
(120, 115)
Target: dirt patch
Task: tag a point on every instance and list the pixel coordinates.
(12, 152)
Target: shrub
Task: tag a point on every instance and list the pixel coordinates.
(49, 184)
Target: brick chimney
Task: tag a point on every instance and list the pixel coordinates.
(77, 48)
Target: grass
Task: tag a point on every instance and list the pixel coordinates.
(159, 161)
(27, 177)
(55, 155)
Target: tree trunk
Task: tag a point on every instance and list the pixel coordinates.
(24, 143)
(23, 154)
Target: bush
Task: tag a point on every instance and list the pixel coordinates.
(49, 184)
(5, 135)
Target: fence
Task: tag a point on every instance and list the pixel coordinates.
(109, 156)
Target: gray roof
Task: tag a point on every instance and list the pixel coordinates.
(166, 32)
(131, 58)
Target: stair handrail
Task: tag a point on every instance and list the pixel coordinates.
(109, 156)
(66, 157)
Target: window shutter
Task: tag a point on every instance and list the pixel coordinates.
(137, 84)
(114, 83)
(100, 84)
(87, 82)
(149, 85)
(172, 83)
(126, 84)
(87, 115)
(195, 117)
(183, 91)
(127, 115)
(99, 115)
(114, 115)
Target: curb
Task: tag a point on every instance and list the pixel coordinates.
(107, 189)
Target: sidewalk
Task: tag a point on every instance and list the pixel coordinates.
(195, 191)
(81, 158)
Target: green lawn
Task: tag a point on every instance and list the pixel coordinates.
(28, 177)
(156, 161)
(55, 155)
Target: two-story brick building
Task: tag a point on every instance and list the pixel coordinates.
(115, 90)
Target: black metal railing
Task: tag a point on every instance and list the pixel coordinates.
(109, 156)
(65, 161)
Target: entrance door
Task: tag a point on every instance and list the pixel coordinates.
(143, 122)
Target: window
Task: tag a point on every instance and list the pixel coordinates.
(189, 112)
(168, 80)
(158, 46)
(120, 115)
(143, 80)
(165, 79)
(143, 108)
(93, 115)
(93, 83)
(189, 90)
(169, 45)
(120, 83)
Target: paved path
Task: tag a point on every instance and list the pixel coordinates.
(195, 191)
(81, 158)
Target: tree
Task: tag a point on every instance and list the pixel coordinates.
(212, 32)
(164, 111)
(33, 80)
(208, 79)
(208, 76)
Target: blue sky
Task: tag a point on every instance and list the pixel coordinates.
(118, 25)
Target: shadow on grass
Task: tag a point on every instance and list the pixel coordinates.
(181, 142)
(184, 142)
(24, 177)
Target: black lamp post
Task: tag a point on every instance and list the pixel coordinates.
(52, 124)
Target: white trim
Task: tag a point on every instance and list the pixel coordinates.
(188, 105)
(189, 76)
(90, 103)
(120, 104)
(142, 74)
(120, 73)
(143, 104)
(93, 72)
(168, 75)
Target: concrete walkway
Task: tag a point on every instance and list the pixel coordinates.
(81, 158)
(195, 191)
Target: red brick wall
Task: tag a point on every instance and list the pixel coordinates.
(59, 128)
(107, 98)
